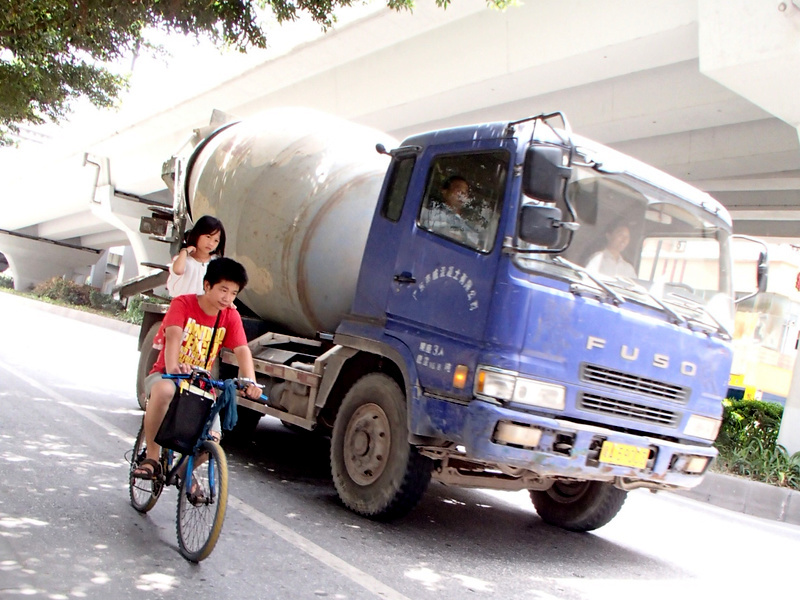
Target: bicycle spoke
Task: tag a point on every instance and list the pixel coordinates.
(200, 516)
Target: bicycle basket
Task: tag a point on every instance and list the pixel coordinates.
(186, 416)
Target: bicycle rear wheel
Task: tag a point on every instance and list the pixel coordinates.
(144, 492)
(202, 504)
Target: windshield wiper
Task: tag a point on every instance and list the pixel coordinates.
(562, 261)
(690, 304)
(645, 292)
(626, 284)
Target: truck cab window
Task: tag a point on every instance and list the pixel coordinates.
(397, 188)
(463, 198)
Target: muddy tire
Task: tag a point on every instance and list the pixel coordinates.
(578, 506)
(377, 473)
(147, 358)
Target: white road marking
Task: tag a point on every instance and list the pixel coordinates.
(327, 558)
(330, 560)
(61, 399)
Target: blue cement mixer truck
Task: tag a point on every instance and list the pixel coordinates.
(505, 305)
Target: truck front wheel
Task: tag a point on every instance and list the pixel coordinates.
(377, 473)
(147, 358)
(578, 505)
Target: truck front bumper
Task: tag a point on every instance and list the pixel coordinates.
(563, 449)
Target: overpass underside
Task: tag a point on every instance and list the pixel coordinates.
(703, 89)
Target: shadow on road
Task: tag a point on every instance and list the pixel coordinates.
(460, 524)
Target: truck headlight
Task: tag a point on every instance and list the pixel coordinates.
(702, 427)
(539, 393)
(509, 387)
(494, 384)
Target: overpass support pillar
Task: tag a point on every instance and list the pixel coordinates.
(752, 47)
(124, 214)
(128, 268)
(789, 434)
(33, 260)
(97, 275)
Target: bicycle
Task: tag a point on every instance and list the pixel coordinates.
(201, 478)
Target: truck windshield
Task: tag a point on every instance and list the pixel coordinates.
(646, 244)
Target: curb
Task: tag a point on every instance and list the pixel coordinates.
(77, 315)
(748, 497)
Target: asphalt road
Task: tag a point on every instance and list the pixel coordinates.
(68, 415)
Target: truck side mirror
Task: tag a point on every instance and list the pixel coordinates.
(545, 173)
(762, 271)
(540, 225)
(762, 267)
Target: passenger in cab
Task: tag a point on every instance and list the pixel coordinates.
(609, 260)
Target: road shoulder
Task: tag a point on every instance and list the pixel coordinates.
(72, 313)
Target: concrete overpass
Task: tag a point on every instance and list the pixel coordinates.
(703, 89)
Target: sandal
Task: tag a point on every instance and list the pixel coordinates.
(142, 472)
(196, 496)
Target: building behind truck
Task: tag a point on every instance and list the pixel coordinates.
(766, 331)
(494, 360)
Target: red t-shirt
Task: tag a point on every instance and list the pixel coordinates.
(185, 312)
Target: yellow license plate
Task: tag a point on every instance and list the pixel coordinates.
(624, 455)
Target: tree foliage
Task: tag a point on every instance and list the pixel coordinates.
(55, 51)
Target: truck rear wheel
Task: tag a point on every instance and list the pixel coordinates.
(578, 505)
(377, 473)
(147, 358)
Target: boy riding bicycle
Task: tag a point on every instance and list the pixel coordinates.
(189, 324)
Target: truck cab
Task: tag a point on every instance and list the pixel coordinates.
(575, 334)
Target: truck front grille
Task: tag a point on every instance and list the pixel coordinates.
(627, 410)
(634, 384)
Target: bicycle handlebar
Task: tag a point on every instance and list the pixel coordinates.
(202, 374)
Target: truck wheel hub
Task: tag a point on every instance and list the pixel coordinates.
(366, 444)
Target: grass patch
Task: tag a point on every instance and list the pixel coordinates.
(748, 444)
(63, 292)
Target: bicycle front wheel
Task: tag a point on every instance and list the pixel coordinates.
(144, 492)
(202, 503)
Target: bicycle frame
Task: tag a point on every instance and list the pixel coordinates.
(198, 375)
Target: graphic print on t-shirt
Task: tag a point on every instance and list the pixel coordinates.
(194, 346)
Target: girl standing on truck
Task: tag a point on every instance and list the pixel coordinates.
(206, 240)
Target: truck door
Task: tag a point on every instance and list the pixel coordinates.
(446, 260)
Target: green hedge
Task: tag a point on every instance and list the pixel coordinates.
(748, 444)
(68, 292)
